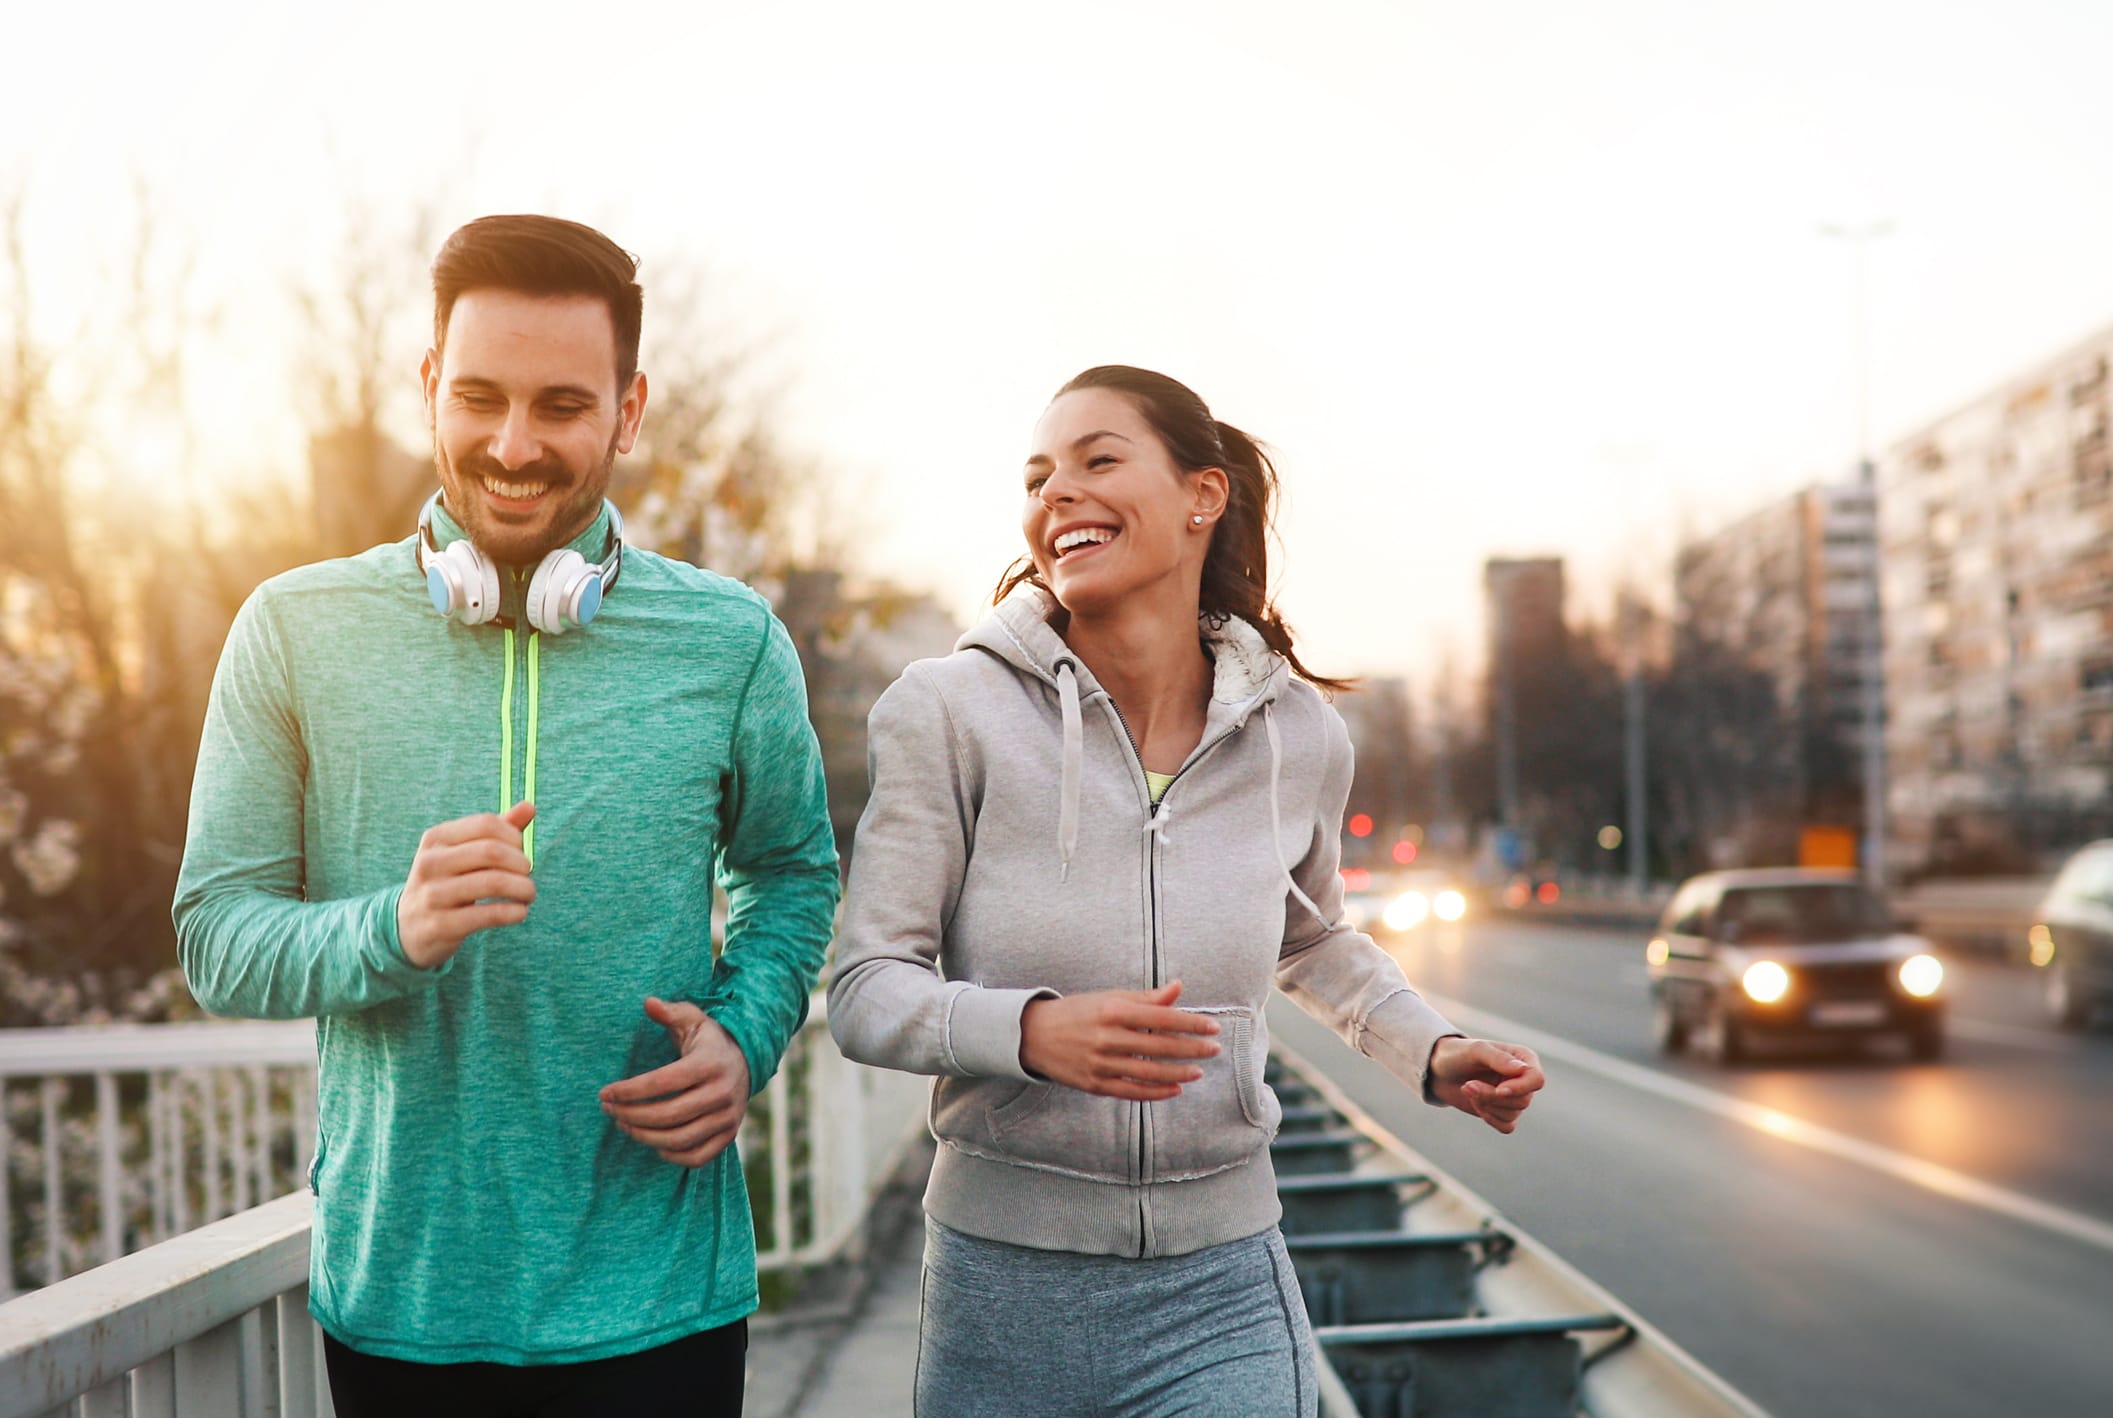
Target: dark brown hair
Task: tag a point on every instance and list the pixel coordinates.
(542, 256)
(1236, 569)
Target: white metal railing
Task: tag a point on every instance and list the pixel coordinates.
(214, 1321)
(123, 1135)
(212, 1324)
(819, 1143)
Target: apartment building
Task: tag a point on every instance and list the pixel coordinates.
(1788, 589)
(1996, 535)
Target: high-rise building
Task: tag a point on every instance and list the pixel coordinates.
(1996, 531)
(1788, 590)
(1529, 651)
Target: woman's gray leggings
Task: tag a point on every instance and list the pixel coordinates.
(1010, 1332)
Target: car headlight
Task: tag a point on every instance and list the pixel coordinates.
(1921, 975)
(1407, 911)
(1449, 905)
(1765, 982)
(2042, 942)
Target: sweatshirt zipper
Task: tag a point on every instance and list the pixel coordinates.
(1144, 1109)
(1203, 750)
(534, 657)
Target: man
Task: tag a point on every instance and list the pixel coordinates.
(473, 826)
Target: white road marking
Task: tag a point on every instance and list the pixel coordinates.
(1942, 1180)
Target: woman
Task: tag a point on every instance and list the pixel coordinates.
(1098, 831)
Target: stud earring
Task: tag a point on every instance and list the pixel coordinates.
(1197, 519)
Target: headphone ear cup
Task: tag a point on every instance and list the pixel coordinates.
(474, 578)
(552, 591)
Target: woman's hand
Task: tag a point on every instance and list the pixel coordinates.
(1120, 1043)
(1495, 1082)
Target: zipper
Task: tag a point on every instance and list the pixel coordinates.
(533, 671)
(1202, 751)
(1137, 1159)
(1144, 1109)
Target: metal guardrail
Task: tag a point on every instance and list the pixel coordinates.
(1426, 1303)
(214, 1321)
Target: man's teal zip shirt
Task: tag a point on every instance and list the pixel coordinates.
(472, 1200)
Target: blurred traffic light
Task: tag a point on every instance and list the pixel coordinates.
(1361, 824)
(1404, 853)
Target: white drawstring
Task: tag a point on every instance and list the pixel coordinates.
(1276, 835)
(1074, 759)
(1156, 824)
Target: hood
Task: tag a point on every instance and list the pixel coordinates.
(1246, 672)
(1246, 676)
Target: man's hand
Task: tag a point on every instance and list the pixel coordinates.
(689, 1110)
(1494, 1082)
(469, 875)
(1120, 1043)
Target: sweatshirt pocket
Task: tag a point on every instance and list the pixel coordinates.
(1040, 1125)
(1009, 1115)
(1225, 1117)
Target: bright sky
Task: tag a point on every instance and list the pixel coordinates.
(1518, 279)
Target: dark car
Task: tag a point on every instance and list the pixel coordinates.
(2073, 938)
(1789, 954)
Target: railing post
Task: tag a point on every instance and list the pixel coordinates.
(154, 1387)
(822, 1162)
(209, 1118)
(783, 1239)
(109, 1181)
(848, 1100)
(238, 1141)
(304, 1106)
(209, 1373)
(179, 1159)
(54, 1190)
(260, 1080)
(7, 1218)
(157, 1193)
(261, 1373)
(105, 1402)
(300, 1360)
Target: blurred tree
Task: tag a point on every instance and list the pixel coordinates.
(1722, 780)
(1725, 792)
(90, 825)
(365, 323)
(1392, 785)
(114, 605)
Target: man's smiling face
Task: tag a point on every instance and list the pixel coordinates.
(527, 418)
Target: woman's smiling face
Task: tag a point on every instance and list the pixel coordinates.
(1107, 511)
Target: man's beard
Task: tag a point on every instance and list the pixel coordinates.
(498, 540)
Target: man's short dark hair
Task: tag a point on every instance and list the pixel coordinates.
(542, 256)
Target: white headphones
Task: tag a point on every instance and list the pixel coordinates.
(564, 593)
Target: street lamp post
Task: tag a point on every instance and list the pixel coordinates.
(1633, 752)
(1860, 238)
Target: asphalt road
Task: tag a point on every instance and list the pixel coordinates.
(1847, 1235)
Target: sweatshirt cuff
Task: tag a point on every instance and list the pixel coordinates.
(983, 1031)
(1400, 1033)
(762, 1066)
(386, 952)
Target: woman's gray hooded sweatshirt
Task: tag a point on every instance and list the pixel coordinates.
(1010, 850)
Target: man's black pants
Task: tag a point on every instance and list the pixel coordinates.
(697, 1377)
